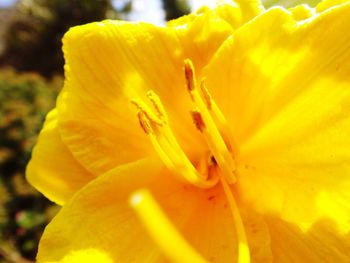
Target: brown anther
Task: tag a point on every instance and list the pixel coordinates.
(144, 123)
(198, 120)
(157, 104)
(189, 74)
(148, 114)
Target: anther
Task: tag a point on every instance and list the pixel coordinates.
(142, 107)
(144, 122)
(189, 74)
(166, 145)
(213, 135)
(198, 120)
(158, 106)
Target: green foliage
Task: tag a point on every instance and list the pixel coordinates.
(175, 8)
(33, 39)
(33, 43)
(25, 100)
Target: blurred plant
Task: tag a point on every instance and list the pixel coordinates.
(175, 8)
(33, 39)
(25, 100)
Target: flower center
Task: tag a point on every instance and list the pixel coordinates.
(209, 121)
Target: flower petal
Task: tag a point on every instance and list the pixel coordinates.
(111, 62)
(87, 256)
(250, 9)
(52, 168)
(287, 94)
(103, 73)
(258, 235)
(106, 223)
(98, 138)
(201, 33)
(301, 12)
(326, 4)
(233, 12)
(321, 243)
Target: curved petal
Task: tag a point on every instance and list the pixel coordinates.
(235, 13)
(258, 235)
(201, 34)
(321, 243)
(106, 222)
(326, 4)
(287, 94)
(52, 168)
(103, 219)
(301, 12)
(111, 62)
(98, 138)
(250, 8)
(87, 256)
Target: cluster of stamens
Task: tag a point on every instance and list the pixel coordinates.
(220, 167)
(209, 121)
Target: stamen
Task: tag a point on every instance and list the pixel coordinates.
(243, 248)
(166, 145)
(189, 74)
(142, 107)
(214, 139)
(144, 123)
(162, 231)
(198, 121)
(207, 96)
(219, 118)
(158, 106)
(210, 121)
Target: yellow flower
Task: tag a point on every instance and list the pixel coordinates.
(227, 131)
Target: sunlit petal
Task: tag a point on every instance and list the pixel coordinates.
(109, 224)
(53, 169)
(288, 104)
(321, 243)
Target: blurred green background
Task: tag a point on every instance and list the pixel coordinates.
(31, 75)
